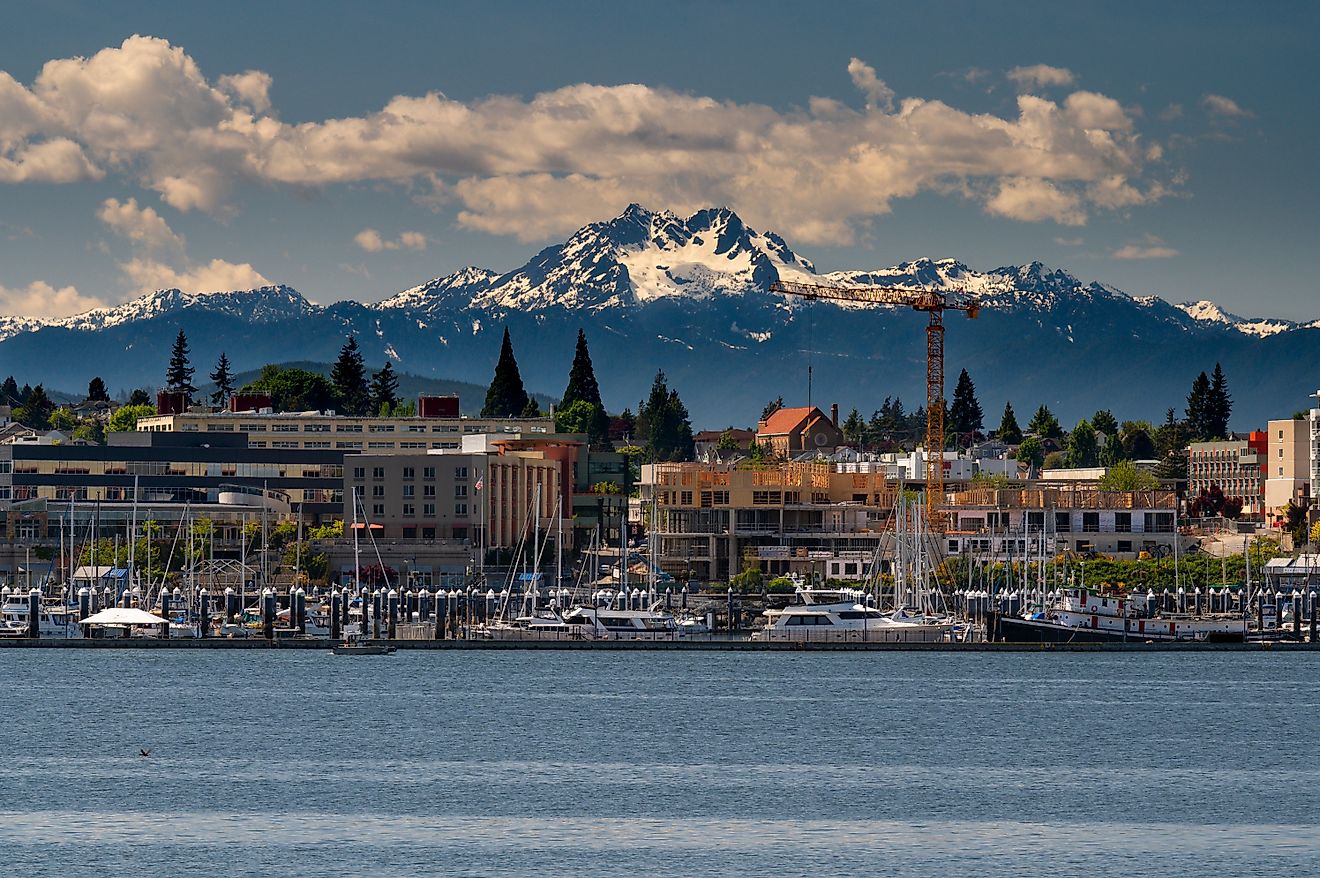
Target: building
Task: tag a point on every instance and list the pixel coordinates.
(1237, 466)
(1288, 476)
(327, 430)
(710, 520)
(1048, 519)
(707, 442)
(792, 432)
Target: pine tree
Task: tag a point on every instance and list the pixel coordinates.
(1105, 422)
(384, 389)
(37, 409)
(506, 397)
(582, 387)
(1219, 405)
(663, 423)
(178, 377)
(1044, 424)
(96, 391)
(223, 378)
(1198, 408)
(1082, 446)
(771, 407)
(965, 417)
(1009, 432)
(9, 393)
(349, 376)
(854, 428)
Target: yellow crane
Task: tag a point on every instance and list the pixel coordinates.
(934, 303)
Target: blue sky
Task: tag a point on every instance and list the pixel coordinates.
(1162, 148)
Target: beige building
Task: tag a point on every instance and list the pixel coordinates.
(321, 430)
(790, 432)
(711, 517)
(1288, 470)
(1236, 466)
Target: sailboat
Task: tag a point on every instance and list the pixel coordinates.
(359, 643)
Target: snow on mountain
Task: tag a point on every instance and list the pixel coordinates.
(1205, 311)
(636, 258)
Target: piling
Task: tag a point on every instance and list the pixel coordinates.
(85, 607)
(231, 606)
(268, 613)
(336, 624)
(34, 613)
(204, 611)
(1297, 615)
(392, 606)
(299, 611)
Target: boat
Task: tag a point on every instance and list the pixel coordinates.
(53, 620)
(1078, 616)
(839, 615)
(350, 647)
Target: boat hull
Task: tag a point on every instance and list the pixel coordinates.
(1010, 629)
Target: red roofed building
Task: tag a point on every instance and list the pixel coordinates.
(790, 432)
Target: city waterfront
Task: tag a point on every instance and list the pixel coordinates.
(610, 763)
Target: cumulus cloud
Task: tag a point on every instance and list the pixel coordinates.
(371, 241)
(160, 259)
(541, 166)
(1228, 108)
(41, 300)
(1150, 248)
(1041, 76)
(878, 95)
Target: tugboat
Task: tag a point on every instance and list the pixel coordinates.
(1077, 616)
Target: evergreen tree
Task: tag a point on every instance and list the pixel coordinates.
(1137, 444)
(532, 409)
(964, 417)
(1009, 432)
(223, 378)
(854, 428)
(1110, 453)
(1198, 408)
(1044, 424)
(384, 389)
(1031, 452)
(96, 391)
(771, 407)
(1171, 436)
(1105, 422)
(1219, 405)
(36, 410)
(1082, 446)
(178, 377)
(9, 392)
(349, 377)
(24, 394)
(663, 424)
(582, 387)
(139, 397)
(506, 396)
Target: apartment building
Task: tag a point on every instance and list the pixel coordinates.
(330, 431)
(1288, 475)
(710, 518)
(1012, 523)
(485, 498)
(1237, 466)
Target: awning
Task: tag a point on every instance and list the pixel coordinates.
(122, 616)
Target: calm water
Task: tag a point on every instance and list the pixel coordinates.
(585, 764)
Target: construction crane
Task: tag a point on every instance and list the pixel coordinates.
(934, 303)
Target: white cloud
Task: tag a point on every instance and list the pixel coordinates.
(1070, 242)
(371, 241)
(216, 276)
(1219, 105)
(161, 258)
(1032, 200)
(1041, 76)
(40, 299)
(543, 165)
(1150, 248)
(878, 95)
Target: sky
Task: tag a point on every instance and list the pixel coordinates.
(352, 150)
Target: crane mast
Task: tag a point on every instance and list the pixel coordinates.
(934, 303)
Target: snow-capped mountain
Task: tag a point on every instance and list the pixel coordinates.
(690, 295)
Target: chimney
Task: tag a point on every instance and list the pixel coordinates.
(834, 414)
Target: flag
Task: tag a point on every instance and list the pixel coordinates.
(479, 483)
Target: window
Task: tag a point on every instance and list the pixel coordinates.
(685, 498)
(316, 428)
(460, 472)
(428, 490)
(410, 533)
(355, 446)
(381, 428)
(378, 490)
(765, 498)
(721, 498)
(381, 445)
(409, 510)
(1090, 522)
(1123, 522)
(460, 509)
(316, 445)
(409, 473)
(408, 490)
(1125, 545)
(428, 473)
(428, 533)
(460, 490)
(348, 428)
(359, 472)
(378, 472)
(358, 490)
(378, 509)
(1062, 522)
(284, 428)
(428, 509)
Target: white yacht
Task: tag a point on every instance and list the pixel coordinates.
(844, 618)
(55, 621)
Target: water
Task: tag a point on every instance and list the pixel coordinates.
(604, 764)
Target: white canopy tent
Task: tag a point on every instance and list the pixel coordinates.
(123, 617)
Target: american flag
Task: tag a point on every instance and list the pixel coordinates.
(479, 483)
